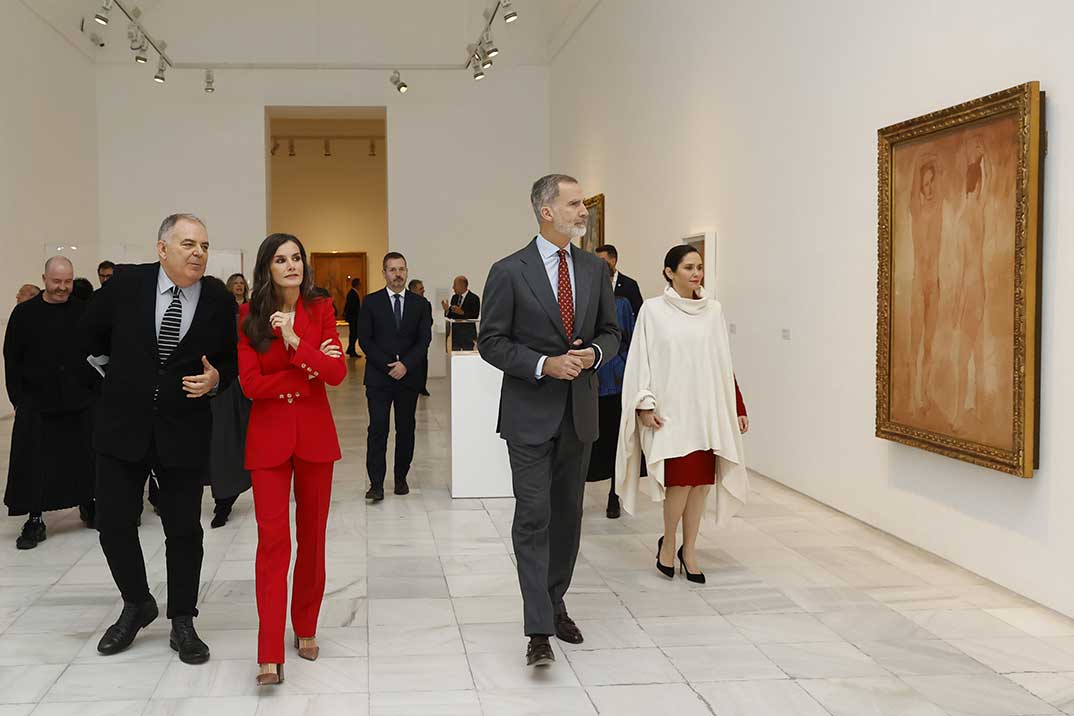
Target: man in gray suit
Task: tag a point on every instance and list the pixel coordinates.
(549, 319)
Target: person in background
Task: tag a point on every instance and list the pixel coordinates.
(105, 269)
(237, 287)
(50, 385)
(394, 331)
(609, 405)
(351, 310)
(464, 305)
(417, 286)
(81, 289)
(288, 351)
(683, 410)
(26, 292)
(625, 286)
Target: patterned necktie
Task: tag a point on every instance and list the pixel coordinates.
(169, 326)
(566, 297)
(398, 310)
(169, 331)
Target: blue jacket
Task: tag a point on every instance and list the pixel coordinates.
(610, 373)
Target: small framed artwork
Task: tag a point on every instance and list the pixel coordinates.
(594, 233)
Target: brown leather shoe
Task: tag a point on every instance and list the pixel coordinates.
(567, 630)
(539, 652)
(309, 653)
(271, 679)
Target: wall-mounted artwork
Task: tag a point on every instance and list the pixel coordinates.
(958, 280)
(594, 233)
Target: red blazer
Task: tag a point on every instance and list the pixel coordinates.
(290, 414)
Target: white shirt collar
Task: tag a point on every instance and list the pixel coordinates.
(165, 284)
(393, 293)
(548, 249)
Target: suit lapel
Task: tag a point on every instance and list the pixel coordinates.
(202, 313)
(536, 277)
(582, 288)
(302, 319)
(147, 312)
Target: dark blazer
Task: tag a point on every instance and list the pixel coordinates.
(382, 343)
(471, 307)
(521, 323)
(352, 308)
(628, 289)
(463, 335)
(119, 322)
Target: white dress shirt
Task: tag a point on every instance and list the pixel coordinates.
(188, 299)
(550, 255)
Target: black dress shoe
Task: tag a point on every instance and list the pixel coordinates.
(376, 494)
(220, 515)
(424, 392)
(668, 572)
(192, 650)
(88, 514)
(401, 488)
(539, 652)
(133, 617)
(698, 578)
(613, 507)
(33, 534)
(567, 630)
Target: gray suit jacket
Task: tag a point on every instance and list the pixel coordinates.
(521, 323)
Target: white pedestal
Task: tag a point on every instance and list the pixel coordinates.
(479, 464)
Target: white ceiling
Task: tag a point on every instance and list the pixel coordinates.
(394, 33)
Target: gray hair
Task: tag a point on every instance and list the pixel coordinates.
(58, 258)
(169, 223)
(546, 189)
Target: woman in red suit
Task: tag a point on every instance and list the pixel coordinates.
(288, 351)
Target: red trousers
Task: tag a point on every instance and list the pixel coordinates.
(272, 495)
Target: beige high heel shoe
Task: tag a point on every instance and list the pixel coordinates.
(309, 653)
(270, 678)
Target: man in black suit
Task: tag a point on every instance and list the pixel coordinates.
(394, 330)
(624, 285)
(351, 310)
(170, 341)
(465, 304)
(549, 321)
(417, 286)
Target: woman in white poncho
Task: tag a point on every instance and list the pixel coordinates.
(683, 412)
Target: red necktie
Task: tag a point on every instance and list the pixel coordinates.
(566, 297)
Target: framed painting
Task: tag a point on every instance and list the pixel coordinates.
(594, 232)
(958, 285)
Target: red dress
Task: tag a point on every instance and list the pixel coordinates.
(699, 467)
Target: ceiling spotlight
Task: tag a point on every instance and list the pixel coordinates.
(489, 46)
(372, 148)
(209, 89)
(399, 85)
(141, 55)
(290, 147)
(102, 15)
(479, 74)
(509, 14)
(162, 67)
(327, 148)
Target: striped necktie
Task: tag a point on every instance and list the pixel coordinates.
(169, 326)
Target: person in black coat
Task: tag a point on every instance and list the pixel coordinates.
(171, 342)
(394, 330)
(624, 286)
(351, 310)
(50, 385)
(417, 286)
(464, 305)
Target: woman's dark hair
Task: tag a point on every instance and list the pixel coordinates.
(265, 300)
(245, 286)
(82, 289)
(675, 256)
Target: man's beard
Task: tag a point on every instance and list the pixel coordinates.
(574, 232)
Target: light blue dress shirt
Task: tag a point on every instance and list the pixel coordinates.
(550, 255)
(188, 298)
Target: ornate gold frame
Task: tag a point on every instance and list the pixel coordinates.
(595, 204)
(1028, 102)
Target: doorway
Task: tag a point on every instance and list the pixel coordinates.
(334, 271)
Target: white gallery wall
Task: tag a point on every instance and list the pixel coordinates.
(758, 121)
(48, 142)
(460, 155)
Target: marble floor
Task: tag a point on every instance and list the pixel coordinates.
(806, 612)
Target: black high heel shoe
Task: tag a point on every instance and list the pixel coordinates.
(699, 578)
(668, 572)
